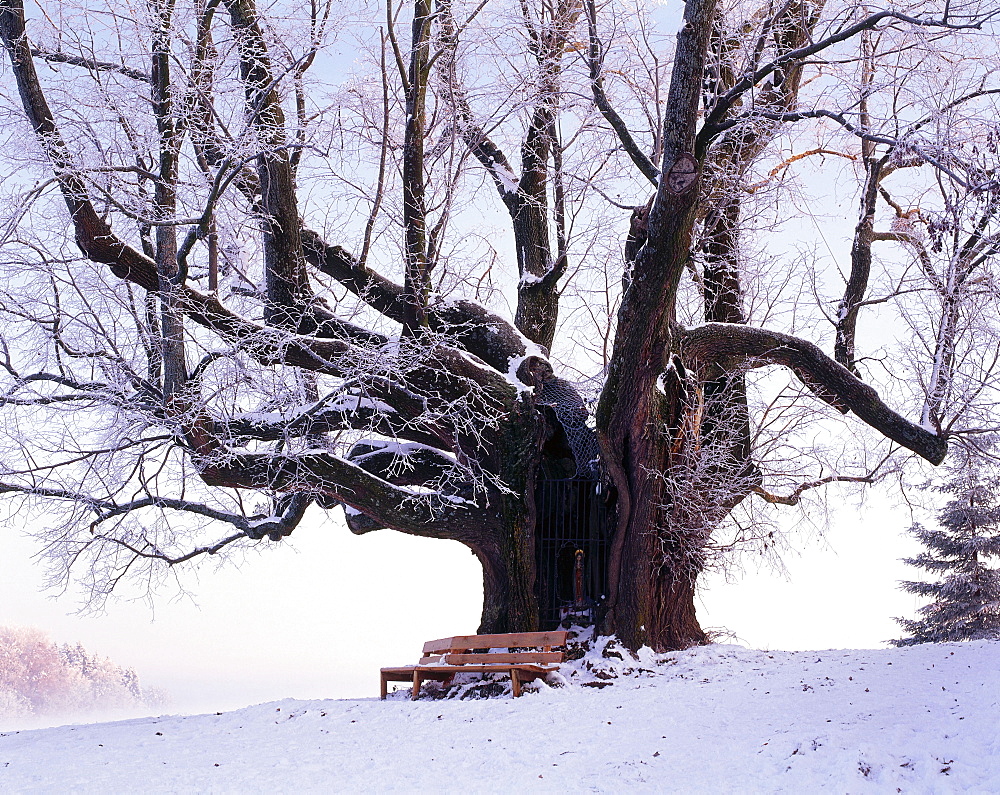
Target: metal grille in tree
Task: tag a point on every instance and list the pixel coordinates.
(573, 517)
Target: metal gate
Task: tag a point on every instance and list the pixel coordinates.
(572, 516)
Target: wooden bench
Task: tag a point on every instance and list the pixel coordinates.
(523, 655)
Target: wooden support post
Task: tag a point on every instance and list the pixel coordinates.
(383, 687)
(515, 680)
(417, 681)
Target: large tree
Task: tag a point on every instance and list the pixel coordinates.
(301, 304)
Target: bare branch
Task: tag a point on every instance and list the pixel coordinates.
(92, 64)
(595, 58)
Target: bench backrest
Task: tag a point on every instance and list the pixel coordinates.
(533, 647)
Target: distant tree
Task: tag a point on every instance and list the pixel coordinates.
(33, 677)
(965, 601)
(39, 677)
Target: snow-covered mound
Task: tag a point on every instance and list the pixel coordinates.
(714, 719)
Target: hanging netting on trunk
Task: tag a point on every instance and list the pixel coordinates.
(567, 400)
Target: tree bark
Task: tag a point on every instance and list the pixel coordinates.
(639, 416)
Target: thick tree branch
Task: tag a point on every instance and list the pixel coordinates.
(92, 64)
(819, 113)
(326, 476)
(479, 331)
(377, 291)
(353, 412)
(726, 345)
(401, 464)
(417, 271)
(476, 139)
(284, 264)
(526, 197)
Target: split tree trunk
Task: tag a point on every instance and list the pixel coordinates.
(645, 408)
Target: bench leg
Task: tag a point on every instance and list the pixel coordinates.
(515, 681)
(417, 681)
(383, 687)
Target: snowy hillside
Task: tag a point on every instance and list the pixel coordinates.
(716, 719)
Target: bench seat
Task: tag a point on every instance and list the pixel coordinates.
(445, 658)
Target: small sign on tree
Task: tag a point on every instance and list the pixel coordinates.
(682, 174)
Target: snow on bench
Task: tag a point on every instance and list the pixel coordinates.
(523, 655)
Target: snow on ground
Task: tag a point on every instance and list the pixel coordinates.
(714, 719)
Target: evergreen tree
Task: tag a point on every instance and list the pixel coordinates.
(965, 600)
